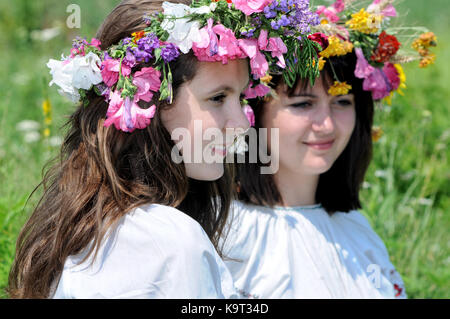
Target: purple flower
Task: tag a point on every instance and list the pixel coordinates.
(126, 41)
(148, 43)
(284, 21)
(140, 55)
(270, 13)
(169, 52)
(129, 59)
(274, 25)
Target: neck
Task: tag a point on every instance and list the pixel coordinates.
(296, 189)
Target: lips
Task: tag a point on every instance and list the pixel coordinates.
(320, 145)
(220, 149)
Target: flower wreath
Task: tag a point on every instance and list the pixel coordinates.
(262, 30)
(378, 52)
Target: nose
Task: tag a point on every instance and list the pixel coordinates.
(236, 118)
(323, 121)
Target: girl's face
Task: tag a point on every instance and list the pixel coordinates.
(208, 108)
(314, 127)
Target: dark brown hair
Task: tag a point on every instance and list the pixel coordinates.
(102, 173)
(338, 188)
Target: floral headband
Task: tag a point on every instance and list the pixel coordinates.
(378, 50)
(262, 30)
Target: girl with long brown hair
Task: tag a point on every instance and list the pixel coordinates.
(119, 217)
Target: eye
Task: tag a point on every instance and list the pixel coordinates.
(344, 102)
(301, 105)
(219, 98)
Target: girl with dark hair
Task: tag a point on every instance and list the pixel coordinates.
(297, 232)
(120, 216)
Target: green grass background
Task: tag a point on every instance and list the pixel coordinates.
(406, 194)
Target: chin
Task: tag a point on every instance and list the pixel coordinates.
(205, 172)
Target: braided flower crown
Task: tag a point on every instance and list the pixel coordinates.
(377, 47)
(265, 31)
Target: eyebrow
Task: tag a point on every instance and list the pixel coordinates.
(225, 88)
(304, 95)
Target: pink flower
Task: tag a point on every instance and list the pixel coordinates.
(251, 6)
(228, 44)
(126, 115)
(248, 111)
(363, 69)
(376, 83)
(329, 12)
(274, 45)
(95, 43)
(146, 80)
(211, 48)
(392, 75)
(258, 62)
(257, 91)
(110, 71)
(339, 6)
(387, 11)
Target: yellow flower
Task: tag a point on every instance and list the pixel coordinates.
(339, 88)
(324, 21)
(427, 60)
(424, 41)
(47, 132)
(321, 63)
(365, 22)
(336, 47)
(46, 106)
(377, 132)
(266, 79)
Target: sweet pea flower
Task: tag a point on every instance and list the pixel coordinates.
(251, 6)
(126, 115)
(274, 45)
(382, 7)
(146, 81)
(95, 43)
(182, 32)
(110, 71)
(363, 69)
(258, 91)
(258, 62)
(70, 75)
(248, 111)
(392, 75)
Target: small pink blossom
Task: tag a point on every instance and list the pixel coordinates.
(248, 111)
(126, 115)
(392, 75)
(387, 11)
(110, 71)
(274, 45)
(329, 12)
(258, 62)
(363, 69)
(251, 6)
(95, 43)
(146, 80)
(257, 91)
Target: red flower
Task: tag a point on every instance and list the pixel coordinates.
(388, 46)
(319, 38)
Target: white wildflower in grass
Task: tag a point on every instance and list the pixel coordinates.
(27, 126)
(45, 34)
(381, 173)
(55, 141)
(31, 137)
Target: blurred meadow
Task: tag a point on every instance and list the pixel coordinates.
(406, 192)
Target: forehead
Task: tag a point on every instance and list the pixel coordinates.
(234, 74)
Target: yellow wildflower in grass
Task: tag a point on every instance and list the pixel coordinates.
(46, 132)
(339, 88)
(365, 22)
(47, 109)
(402, 85)
(377, 133)
(336, 47)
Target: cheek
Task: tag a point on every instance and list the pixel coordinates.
(346, 122)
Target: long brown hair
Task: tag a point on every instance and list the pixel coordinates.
(338, 188)
(102, 173)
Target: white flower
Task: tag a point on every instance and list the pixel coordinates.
(182, 32)
(201, 10)
(27, 125)
(46, 34)
(31, 137)
(239, 146)
(212, 6)
(81, 72)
